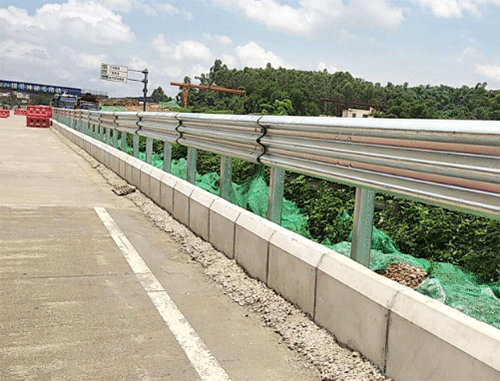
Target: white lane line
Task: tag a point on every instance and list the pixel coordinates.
(205, 364)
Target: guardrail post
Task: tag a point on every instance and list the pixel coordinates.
(226, 173)
(191, 165)
(167, 157)
(124, 142)
(135, 144)
(362, 228)
(149, 150)
(115, 138)
(108, 136)
(276, 187)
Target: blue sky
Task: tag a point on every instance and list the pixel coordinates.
(63, 42)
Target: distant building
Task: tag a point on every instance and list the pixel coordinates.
(14, 97)
(22, 96)
(358, 113)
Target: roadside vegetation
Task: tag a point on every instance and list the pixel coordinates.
(421, 230)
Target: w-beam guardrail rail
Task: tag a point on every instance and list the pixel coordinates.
(450, 163)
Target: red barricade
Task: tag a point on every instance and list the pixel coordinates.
(37, 122)
(20, 111)
(39, 111)
(4, 113)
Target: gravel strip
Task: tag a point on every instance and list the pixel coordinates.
(407, 275)
(298, 331)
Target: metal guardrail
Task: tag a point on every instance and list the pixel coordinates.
(450, 163)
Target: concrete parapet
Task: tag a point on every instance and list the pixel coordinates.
(293, 260)
(129, 168)
(94, 149)
(154, 184)
(200, 203)
(353, 303)
(99, 148)
(167, 186)
(223, 216)
(251, 247)
(109, 158)
(86, 146)
(145, 183)
(137, 165)
(431, 341)
(182, 193)
(122, 157)
(114, 161)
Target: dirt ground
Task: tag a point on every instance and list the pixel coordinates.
(134, 105)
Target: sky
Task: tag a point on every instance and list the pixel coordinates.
(64, 42)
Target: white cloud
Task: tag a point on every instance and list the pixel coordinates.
(454, 8)
(84, 60)
(490, 71)
(154, 8)
(167, 9)
(223, 40)
(81, 21)
(322, 66)
(22, 50)
(139, 63)
(229, 60)
(312, 15)
(121, 5)
(182, 50)
(373, 14)
(253, 55)
(197, 69)
(473, 53)
(170, 71)
(346, 37)
(62, 74)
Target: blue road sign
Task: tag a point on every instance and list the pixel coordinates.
(38, 88)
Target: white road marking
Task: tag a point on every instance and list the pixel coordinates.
(205, 364)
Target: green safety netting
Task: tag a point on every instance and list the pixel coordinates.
(447, 283)
(171, 104)
(113, 108)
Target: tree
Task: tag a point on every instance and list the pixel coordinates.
(159, 95)
(283, 107)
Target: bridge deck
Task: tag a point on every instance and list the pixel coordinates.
(72, 308)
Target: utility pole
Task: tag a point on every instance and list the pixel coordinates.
(145, 81)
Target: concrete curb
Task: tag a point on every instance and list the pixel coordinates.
(408, 335)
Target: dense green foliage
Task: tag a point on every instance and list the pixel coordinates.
(438, 234)
(417, 229)
(304, 90)
(158, 95)
(421, 230)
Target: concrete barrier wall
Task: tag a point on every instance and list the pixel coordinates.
(408, 335)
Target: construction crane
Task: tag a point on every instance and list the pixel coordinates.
(186, 86)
